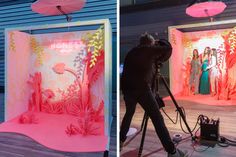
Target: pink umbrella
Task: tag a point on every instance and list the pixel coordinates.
(57, 7)
(206, 9)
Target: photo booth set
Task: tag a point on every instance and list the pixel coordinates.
(58, 84)
(218, 35)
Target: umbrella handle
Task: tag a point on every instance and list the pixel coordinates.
(68, 18)
(211, 18)
(206, 11)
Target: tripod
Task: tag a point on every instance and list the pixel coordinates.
(155, 88)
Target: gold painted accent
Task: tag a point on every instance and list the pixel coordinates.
(38, 49)
(187, 43)
(173, 38)
(232, 40)
(12, 46)
(95, 43)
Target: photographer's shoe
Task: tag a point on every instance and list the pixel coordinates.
(179, 153)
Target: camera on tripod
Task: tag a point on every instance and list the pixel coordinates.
(160, 101)
(164, 56)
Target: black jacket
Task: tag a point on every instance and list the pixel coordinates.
(139, 66)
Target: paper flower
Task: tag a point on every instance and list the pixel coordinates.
(59, 68)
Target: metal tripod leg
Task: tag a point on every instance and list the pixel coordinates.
(142, 125)
(177, 106)
(145, 118)
(144, 129)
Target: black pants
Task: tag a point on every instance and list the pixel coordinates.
(148, 102)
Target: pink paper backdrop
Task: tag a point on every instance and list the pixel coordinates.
(41, 53)
(18, 68)
(176, 77)
(184, 44)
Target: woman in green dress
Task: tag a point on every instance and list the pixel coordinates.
(204, 87)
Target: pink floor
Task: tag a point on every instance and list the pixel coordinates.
(204, 100)
(50, 132)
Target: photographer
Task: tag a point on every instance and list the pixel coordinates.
(136, 82)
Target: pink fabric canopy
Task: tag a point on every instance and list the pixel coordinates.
(206, 9)
(49, 7)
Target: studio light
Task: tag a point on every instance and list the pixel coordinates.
(205, 8)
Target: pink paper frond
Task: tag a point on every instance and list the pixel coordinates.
(28, 118)
(86, 126)
(72, 130)
(53, 107)
(97, 116)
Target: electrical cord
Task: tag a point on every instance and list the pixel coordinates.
(195, 144)
(232, 141)
(197, 131)
(222, 142)
(232, 144)
(176, 120)
(200, 150)
(197, 123)
(225, 142)
(200, 117)
(177, 115)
